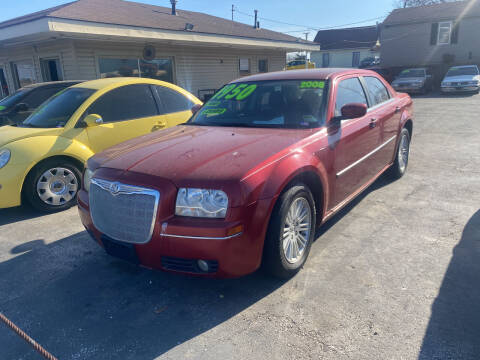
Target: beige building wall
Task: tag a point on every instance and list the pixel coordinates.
(409, 45)
(195, 67)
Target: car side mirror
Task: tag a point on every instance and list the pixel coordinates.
(93, 120)
(21, 107)
(354, 111)
(195, 108)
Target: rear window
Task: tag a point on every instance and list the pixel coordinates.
(378, 92)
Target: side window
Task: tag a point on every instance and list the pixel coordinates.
(125, 103)
(378, 92)
(349, 91)
(38, 96)
(172, 100)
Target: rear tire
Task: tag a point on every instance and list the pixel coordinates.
(290, 233)
(53, 185)
(399, 167)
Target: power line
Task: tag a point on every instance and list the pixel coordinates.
(307, 26)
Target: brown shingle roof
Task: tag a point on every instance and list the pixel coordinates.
(359, 37)
(120, 12)
(437, 12)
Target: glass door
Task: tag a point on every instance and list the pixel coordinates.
(3, 84)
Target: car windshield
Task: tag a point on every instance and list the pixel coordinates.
(292, 104)
(471, 70)
(56, 111)
(412, 73)
(12, 99)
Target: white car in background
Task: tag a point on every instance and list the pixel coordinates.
(461, 79)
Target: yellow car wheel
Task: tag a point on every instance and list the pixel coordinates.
(53, 185)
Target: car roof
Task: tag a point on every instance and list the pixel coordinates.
(47, 83)
(102, 83)
(306, 74)
(463, 66)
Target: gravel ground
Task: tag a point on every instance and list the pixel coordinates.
(393, 276)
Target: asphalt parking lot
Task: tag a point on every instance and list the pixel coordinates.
(396, 275)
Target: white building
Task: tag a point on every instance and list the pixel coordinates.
(346, 48)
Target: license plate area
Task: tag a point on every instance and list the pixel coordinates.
(120, 250)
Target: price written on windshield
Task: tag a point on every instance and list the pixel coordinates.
(238, 92)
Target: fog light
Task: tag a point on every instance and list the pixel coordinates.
(203, 265)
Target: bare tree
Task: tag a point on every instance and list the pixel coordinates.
(413, 3)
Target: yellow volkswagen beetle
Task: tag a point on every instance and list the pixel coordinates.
(42, 159)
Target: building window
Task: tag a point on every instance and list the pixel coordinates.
(355, 59)
(51, 69)
(325, 60)
(23, 73)
(3, 84)
(444, 33)
(160, 69)
(263, 65)
(244, 64)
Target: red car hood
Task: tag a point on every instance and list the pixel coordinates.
(198, 153)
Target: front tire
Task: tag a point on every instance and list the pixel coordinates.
(290, 233)
(399, 167)
(53, 186)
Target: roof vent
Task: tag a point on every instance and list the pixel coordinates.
(174, 7)
(189, 27)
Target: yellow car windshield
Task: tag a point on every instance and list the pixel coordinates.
(57, 110)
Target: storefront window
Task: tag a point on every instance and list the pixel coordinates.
(118, 68)
(24, 73)
(160, 69)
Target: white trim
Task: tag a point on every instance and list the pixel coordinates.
(86, 28)
(25, 29)
(366, 156)
(450, 24)
(202, 237)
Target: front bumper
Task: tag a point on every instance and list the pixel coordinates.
(459, 89)
(11, 182)
(409, 89)
(231, 248)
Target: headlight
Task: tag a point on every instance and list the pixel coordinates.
(87, 179)
(474, 83)
(201, 203)
(446, 83)
(4, 157)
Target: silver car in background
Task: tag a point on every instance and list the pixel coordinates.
(461, 79)
(416, 80)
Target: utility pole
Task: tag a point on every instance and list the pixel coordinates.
(233, 10)
(306, 53)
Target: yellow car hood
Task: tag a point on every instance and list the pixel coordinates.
(9, 134)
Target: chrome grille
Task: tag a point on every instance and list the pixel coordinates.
(123, 212)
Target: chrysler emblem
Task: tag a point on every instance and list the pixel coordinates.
(115, 188)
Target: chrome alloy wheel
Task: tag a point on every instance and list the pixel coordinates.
(403, 151)
(296, 232)
(57, 186)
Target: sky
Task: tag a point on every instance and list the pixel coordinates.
(315, 14)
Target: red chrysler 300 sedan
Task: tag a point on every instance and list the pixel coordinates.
(250, 176)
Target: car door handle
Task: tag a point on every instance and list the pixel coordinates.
(159, 125)
(373, 123)
(397, 109)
